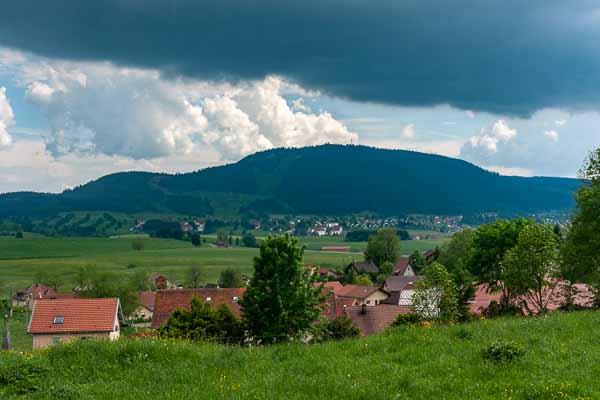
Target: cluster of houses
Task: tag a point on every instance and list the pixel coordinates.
(59, 317)
(326, 229)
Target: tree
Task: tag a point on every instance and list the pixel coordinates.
(580, 253)
(108, 284)
(140, 281)
(249, 240)
(203, 323)
(362, 280)
(435, 295)
(417, 262)
(530, 264)
(19, 235)
(196, 239)
(282, 300)
(230, 278)
(456, 257)
(137, 244)
(383, 247)
(490, 244)
(194, 277)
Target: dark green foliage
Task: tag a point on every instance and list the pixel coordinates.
(490, 244)
(196, 239)
(406, 319)
(19, 235)
(456, 257)
(503, 351)
(529, 266)
(363, 235)
(194, 277)
(384, 247)
(336, 329)
(203, 323)
(137, 244)
(21, 376)
(418, 262)
(262, 182)
(94, 284)
(281, 301)
(230, 278)
(249, 240)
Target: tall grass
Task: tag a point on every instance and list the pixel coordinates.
(560, 360)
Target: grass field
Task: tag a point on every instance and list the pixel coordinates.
(561, 361)
(21, 259)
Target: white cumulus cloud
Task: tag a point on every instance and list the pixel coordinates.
(6, 119)
(99, 108)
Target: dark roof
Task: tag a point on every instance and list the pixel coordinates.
(375, 319)
(167, 301)
(78, 315)
(398, 283)
(364, 266)
(401, 265)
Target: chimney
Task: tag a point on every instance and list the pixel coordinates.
(363, 309)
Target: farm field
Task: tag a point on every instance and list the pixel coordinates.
(561, 360)
(21, 259)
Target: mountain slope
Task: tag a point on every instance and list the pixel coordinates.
(328, 179)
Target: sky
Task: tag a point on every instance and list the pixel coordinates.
(91, 88)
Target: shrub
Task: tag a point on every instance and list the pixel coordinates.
(502, 351)
(337, 329)
(137, 244)
(406, 319)
(503, 308)
(20, 376)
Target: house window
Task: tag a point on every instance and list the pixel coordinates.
(55, 340)
(59, 320)
(236, 298)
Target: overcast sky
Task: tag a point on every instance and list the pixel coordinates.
(89, 88)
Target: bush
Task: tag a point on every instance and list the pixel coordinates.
(137, 244)
(502, 351)
(21, 376)
(406, 319)
(337, 329)
(496, 309)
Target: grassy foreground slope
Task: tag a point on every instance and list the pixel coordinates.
(562, 361)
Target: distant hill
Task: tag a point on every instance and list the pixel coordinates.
(321, 180)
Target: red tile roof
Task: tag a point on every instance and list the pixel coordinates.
(336, 286)
(147, 299)
(167, 301)
(80, 315)
(401, 265)
(554, 298)
(357, 291)
(375, 319)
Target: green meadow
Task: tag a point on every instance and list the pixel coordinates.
(560, 360)
(21, 259)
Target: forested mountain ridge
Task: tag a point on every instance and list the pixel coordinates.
(320, 180)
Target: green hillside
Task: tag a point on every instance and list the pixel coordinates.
(321, 180)
(561, 361)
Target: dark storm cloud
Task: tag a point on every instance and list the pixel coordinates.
(510, 57)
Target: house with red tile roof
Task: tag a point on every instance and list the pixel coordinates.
(26, 297)
(63, 320)
(145, 309)
(368, 295)
(403, 267)
(167, 301)
(372, 320)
